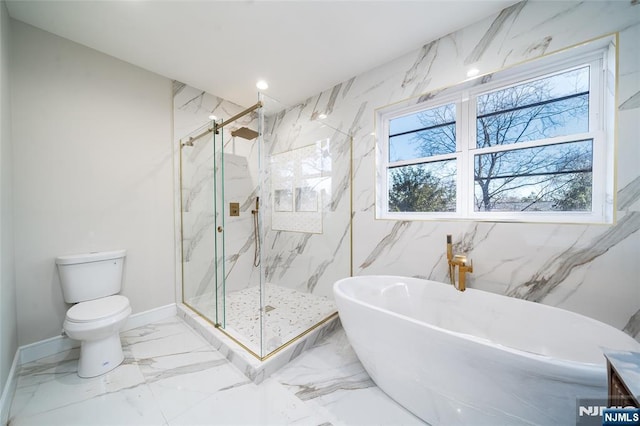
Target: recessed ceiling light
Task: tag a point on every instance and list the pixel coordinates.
(322, 116)
(213, 117)
(472, 72)
(262, 85)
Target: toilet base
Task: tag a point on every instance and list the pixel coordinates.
(100, 356)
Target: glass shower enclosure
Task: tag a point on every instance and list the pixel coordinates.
(265, 222)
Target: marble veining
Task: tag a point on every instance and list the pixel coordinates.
(177, 87)
(631, 103)
(172, 377)
(628, 195)
(539, 47)
(424, 61)
(632, 328)
(387, 242)
(558, 269)
(331, 377)
(299, 261)
(571, 266)
(498, 24)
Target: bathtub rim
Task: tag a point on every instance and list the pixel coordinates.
(594, 368)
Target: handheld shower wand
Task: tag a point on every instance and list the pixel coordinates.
(452, 268)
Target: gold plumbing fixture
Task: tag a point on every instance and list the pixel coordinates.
(234, 209)
(245, 133)
(461, 262)
(256, 233)
(218, 126)
(248, 134)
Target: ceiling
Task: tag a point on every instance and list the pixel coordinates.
(223, 47)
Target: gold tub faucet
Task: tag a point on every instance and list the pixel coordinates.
(461, 262)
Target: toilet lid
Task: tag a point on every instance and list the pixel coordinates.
(97, 309)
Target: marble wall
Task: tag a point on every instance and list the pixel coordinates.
(308, 261)
(304, 261)
(199, 164)
(589, 269)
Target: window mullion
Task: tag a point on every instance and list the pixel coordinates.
(597, 74)
(460, 148)
(467, 143)
(537, 143)
(421, 160)
(383, 153)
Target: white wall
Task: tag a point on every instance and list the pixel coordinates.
(92, 171)
(8, 325)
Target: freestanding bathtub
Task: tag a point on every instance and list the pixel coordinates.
(474, 357)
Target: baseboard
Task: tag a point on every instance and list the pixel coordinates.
(148, 317)
(9, 390)
(54, 345)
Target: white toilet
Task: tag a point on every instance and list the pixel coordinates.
(92, 281)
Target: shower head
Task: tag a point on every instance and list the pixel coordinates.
(245, 133)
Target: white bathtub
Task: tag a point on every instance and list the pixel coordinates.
(474, 357)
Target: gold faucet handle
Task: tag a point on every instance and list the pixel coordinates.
(463, 262)
(460, 259)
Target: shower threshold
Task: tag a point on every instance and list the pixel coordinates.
(312, 318)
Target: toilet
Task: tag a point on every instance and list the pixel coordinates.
(92, 282)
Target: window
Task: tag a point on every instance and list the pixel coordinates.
(533, 143)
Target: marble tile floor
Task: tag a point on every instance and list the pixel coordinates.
(171, 376)
(293, 313)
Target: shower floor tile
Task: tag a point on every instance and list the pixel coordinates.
(288, 313)
(291, 313)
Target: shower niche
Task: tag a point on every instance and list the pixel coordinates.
(265, 218)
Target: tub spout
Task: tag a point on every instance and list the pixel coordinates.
(463, 267)
(459, 261)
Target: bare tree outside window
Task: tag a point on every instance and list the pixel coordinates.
(535, 179)
(531, 143)
(554, 177)
(409, 134)
(429, 186)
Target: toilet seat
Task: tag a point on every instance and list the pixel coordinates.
(98, 309)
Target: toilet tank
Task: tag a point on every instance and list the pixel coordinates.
(90, 276)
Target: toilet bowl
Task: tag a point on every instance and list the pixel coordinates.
(92, 281)
(97, 324)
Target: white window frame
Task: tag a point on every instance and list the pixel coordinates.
(601, 98)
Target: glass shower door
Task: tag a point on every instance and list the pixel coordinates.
(218, 207)
(198, 222)
(237, 207)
